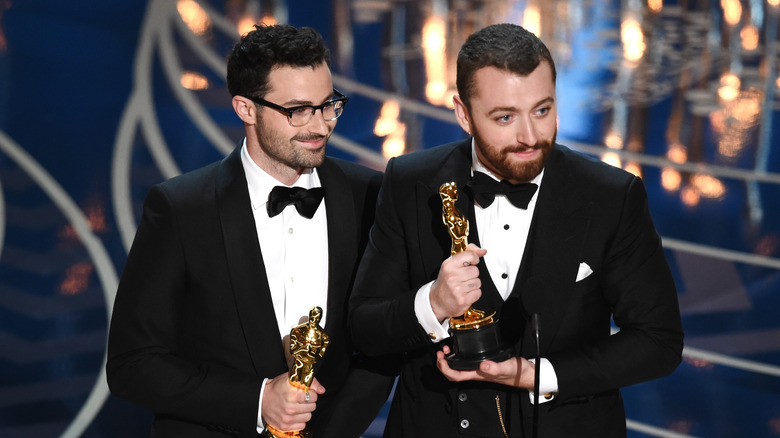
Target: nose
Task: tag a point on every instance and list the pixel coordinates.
(526, 132)
(318, 124)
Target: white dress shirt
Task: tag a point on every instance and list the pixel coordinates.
(295, 252)
(503, 231)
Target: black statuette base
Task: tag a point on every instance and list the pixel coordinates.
(470, 347)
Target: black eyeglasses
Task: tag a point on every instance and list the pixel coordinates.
(300, 115)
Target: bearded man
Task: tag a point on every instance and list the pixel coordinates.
(581, 251)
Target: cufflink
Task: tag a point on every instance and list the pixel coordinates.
(432, 335)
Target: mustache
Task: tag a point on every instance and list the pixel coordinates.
(525, 148)
(538, 145)
(309, 137)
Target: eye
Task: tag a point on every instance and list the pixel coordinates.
(302, 110)
(505, 119)
(543, 111)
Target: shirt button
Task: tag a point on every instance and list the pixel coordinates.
(464, 424)
(463, 396)
(504, 276)
(290, 231)
(506, 226)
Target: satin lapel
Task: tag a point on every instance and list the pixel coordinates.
(435, 242)
(554, 248)
(342, 251)
(490, 299)
(247, 272)
(457, 168)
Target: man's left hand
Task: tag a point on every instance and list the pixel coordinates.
(515, 371)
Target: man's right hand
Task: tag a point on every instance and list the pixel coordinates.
(458, 286)
(285, 406)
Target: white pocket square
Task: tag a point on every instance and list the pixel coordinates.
(584, 271)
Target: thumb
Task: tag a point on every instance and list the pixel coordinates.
(486, 367)
(317, 387)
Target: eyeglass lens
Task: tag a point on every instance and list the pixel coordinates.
(330, 111)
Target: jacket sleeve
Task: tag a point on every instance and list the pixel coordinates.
(637, 286)
(145, 363)
(382, 314)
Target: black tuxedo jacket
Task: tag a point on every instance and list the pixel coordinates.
(193, 331)
(586, 212)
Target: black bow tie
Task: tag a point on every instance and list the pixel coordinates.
(484, 189)
(305, 201)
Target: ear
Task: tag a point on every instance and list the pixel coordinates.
(462, 114)
(245, 109)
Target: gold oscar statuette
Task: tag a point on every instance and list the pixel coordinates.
(308, 342)
(475, 334)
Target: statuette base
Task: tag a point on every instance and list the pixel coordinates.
(470, 347)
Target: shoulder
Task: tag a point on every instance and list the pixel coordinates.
(338, 173)
(348, 169)
(202, 185)
(586, 170)
(194, 182)
(426, 160)
(432, 155)
(576, 179)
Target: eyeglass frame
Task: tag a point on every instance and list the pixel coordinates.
(340, 97)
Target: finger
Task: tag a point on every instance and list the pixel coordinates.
(289, 427)
(479, 252)
(472, 257)
(301, 411)
(503, 372)
(449, 373)
(294, 421)
(487, 367)
(312, 397)
(472, 296)
(464, 258)
(293, 395)
(445, 349)
(457, 376)
(474, 285)
(317, 387)
(442, 365)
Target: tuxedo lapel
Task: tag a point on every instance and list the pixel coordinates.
(433, 232)
(435, 241)
(247, 271)
(342, 223)
(554, 247)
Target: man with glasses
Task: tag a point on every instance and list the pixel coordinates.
(229, 258)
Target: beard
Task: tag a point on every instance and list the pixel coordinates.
(284, 152)
(499, 161)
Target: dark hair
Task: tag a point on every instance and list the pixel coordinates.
(259, 51)
(504, 46)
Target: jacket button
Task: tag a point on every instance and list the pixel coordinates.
(464, 424)
(463, 396)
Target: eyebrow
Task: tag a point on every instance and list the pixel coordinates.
(297, 102)
(501, 109)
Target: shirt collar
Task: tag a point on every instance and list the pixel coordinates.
(260, 183)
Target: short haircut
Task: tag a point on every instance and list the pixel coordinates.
(504, 46)
(267, 47)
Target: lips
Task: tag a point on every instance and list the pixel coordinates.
(311, 142)
(526, 153)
